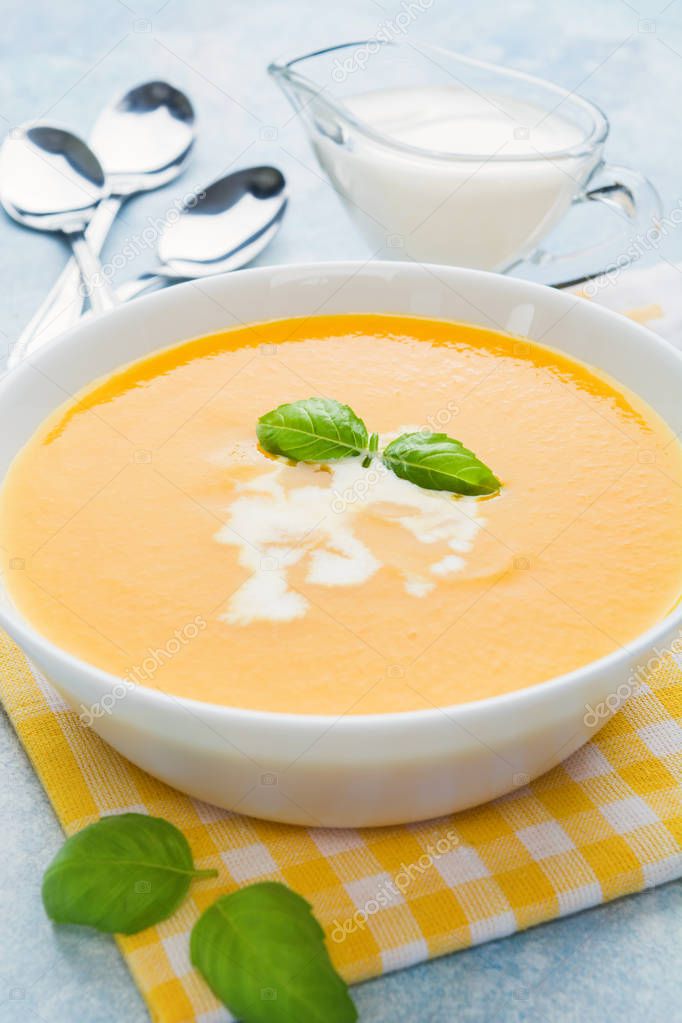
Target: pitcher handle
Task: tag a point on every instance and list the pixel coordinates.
(633, 196)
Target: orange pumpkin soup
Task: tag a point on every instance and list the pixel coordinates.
(152, 537)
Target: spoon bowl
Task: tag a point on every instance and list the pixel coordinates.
(223, 218)
(222, 228)
(50, 180)
(144, 137)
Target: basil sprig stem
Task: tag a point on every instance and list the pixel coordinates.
(324, 430)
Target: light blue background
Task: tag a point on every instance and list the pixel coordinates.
(61, 62)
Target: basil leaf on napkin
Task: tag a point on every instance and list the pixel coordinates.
(120, 874)
(312, 430)
(262, 953)
(437, 462)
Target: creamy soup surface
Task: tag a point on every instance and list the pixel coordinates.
(144, 531)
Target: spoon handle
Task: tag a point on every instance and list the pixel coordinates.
(62, 306)
(95, 285)
(135, 287)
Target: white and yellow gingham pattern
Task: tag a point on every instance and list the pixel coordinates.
(606, 822)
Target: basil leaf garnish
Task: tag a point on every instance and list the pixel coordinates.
(262, 953)
(313, 430)
(120, 874)
(321, 430)
(437, 462)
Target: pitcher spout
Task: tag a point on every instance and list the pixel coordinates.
(280, 74)
(310, 96)
(297, 86)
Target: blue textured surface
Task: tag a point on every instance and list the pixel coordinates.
(62, 62)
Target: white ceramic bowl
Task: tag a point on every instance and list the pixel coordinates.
(353, 770)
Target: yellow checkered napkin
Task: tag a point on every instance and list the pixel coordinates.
(605, 823)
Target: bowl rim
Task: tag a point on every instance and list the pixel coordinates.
(15, 624)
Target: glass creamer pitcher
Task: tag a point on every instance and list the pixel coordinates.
(443, 159)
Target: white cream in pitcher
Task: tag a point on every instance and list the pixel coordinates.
(512, 171)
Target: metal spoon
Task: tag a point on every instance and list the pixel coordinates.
(228, 224)
(143, 139)
(51, 180)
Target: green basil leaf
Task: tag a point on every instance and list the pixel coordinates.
(437, 462)
(120, 874)
(313, 430)
(262, 953)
